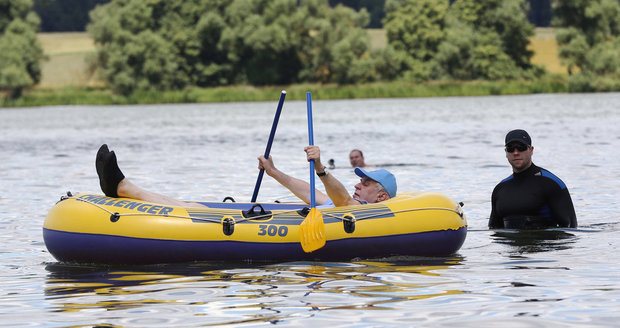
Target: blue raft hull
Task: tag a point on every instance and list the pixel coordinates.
(94, 248)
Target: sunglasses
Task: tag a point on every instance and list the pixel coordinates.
(519, 147)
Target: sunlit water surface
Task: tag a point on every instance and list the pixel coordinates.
(556, 278)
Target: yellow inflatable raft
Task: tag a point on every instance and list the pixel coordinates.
(91, 228)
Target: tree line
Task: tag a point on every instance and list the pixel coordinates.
(168, 45)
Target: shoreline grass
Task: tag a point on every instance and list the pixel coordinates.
(101, 96)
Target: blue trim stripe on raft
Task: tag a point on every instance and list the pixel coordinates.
(247, 206)
(97, 248)
(217, 211)
(375, 212)
(291, 218)
(216, 215)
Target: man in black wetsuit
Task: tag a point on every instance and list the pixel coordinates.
(532, 197)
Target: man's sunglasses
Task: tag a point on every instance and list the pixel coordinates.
(519, 147)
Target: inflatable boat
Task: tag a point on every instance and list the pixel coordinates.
(90, 228)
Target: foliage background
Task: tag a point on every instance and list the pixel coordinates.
(164, 45)
(145, 46)
(21, 52)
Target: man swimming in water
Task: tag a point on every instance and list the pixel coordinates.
(532, 197)
(356, 158)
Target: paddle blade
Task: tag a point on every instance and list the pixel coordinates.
(312, 231)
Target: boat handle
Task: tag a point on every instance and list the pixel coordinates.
(228, 225)
(348, 221)
(262, 215)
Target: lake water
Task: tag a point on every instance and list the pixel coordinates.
(555, 278)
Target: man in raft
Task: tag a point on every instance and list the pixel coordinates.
(532, 197)
(373, 187)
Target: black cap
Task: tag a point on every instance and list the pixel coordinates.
(518, 136)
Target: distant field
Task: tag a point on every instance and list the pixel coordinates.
(66, 64)
(546, 50)
(378, 38)
(66, 43)
(67, 53)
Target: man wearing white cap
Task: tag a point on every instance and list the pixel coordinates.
(374, 186)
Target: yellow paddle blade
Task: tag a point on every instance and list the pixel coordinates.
(312, 231)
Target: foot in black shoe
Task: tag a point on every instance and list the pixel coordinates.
(111, 175)
(103, 151)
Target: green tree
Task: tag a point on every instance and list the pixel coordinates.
(469, 54)
(21, 53)
(334, 47)
(415, 29)
(416, 26)
(589, 39)
(139, 44)
(160, 45)
(484, 39)
(283, 41)
(506, 18)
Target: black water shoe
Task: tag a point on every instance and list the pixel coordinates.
(103, 151)
(109, 173)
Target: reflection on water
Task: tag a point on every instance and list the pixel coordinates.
(269, 289)
(534, 241)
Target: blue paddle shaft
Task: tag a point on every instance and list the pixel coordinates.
(311, 141)
(269, 142)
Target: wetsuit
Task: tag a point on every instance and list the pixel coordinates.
(534, 194)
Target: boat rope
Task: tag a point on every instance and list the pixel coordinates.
(370, 216)
(114, 216)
